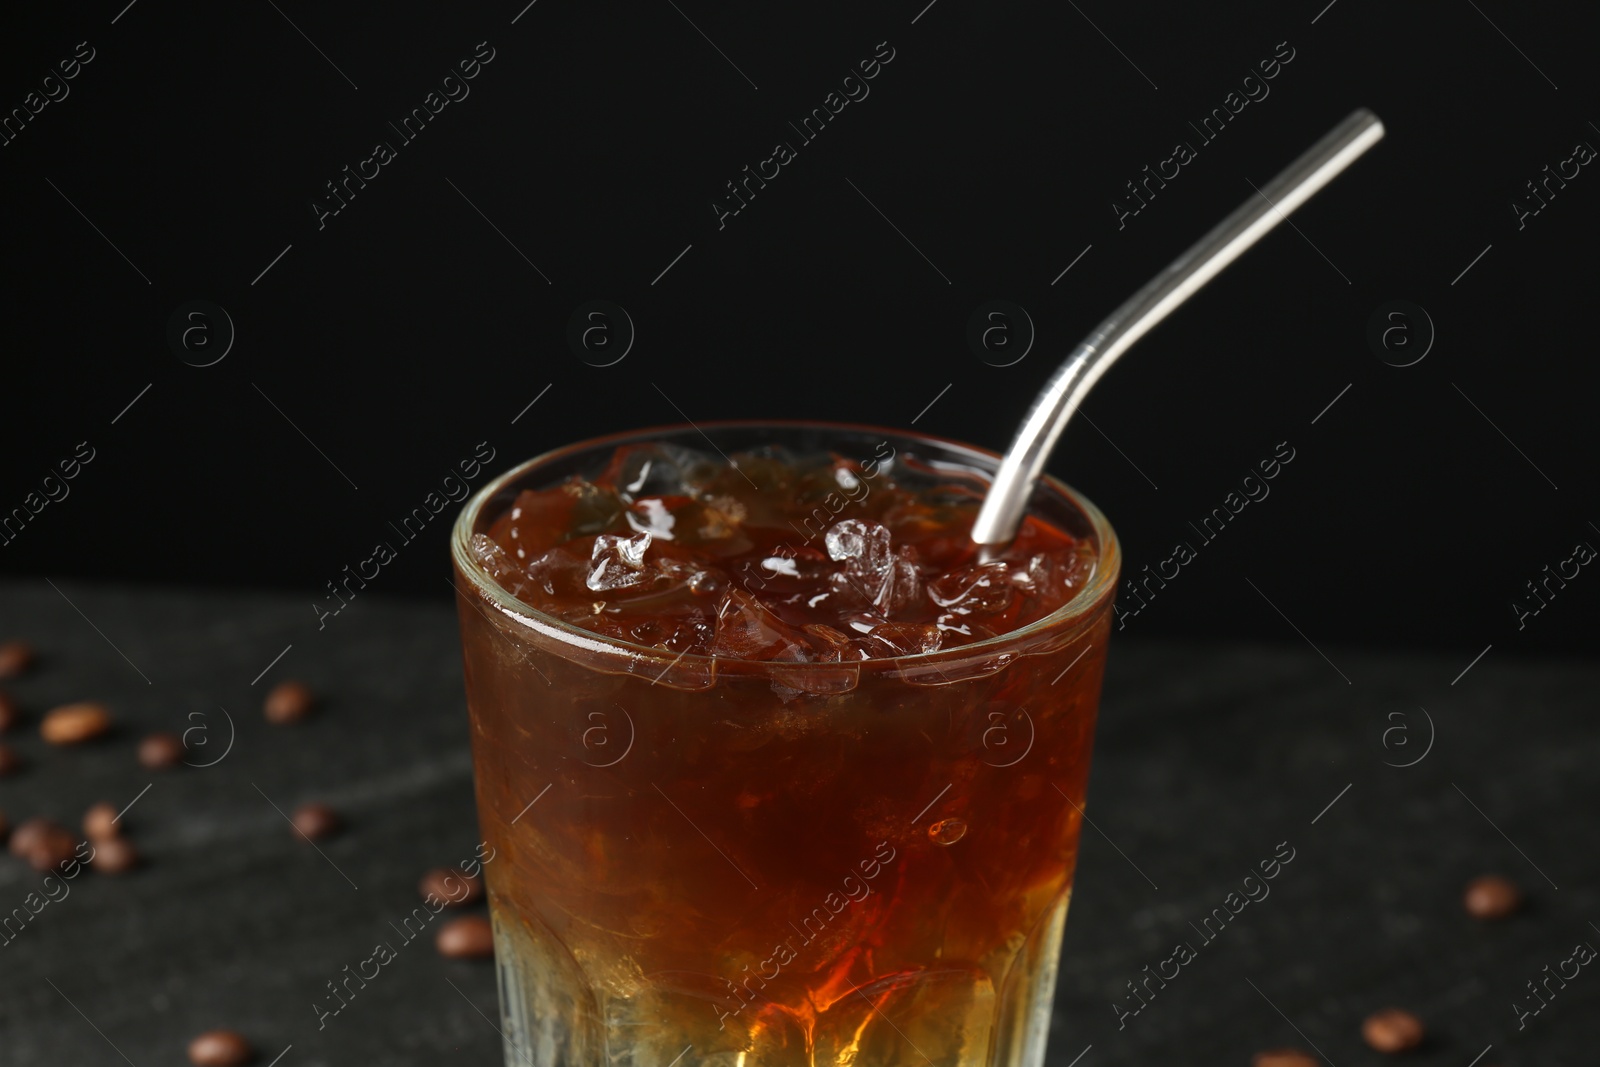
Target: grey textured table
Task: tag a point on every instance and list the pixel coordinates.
(1207, 759)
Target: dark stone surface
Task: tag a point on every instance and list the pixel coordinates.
(1208, 758)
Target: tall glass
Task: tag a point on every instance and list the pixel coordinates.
(753, 864)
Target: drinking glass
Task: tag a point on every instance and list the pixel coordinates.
(712, 861)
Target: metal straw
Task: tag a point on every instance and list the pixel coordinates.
(1013, 485)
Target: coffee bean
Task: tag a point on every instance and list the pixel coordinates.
(10, 760)
(5, 827)
(469, 937)
(315, 820)
(220, 1048)
(29, 832)
(16, 659)
(10, 714)
(1490, 896)
(287, 702)
(73, 724)
(99, 822)
(1284, 1057)
(53, 847)
(1392, 1030)
(160, 751)
(453, 886)
(114, 855)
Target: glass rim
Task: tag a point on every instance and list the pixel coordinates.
(1081, 606)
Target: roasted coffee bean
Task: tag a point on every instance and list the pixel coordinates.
(52, 847)
(1490, 896)
(451, 885)
(1284, 1057)
(287, 702)
(161, 750)
(315, 820)
(28, 833)
(16, 658)
(220, 1048)
(10, 715)
(73, 724)
(469, 937)
(100, 822)
(114, 855)
(1392, 1030)
(10, 760)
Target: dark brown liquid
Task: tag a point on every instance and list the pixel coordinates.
(817, 559)
(816, 860)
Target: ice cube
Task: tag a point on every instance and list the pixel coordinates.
(726, 1025)
(907, 585)
(893, 639)
(748, 629)
(861, 623)
(785, 574)
(618, 562)
(872, 569)
(853, 539)
(952, 623)
(638, 471)
(941, 1015)
(534, 521)
(652, 515)
(557, 573)
(595, 509)
(690, 633)
(1054, 578)
(497, 564)
(710, 525)
(781, 565)
(980, 589)
(721, 518)
(832, 646)
(770, 468)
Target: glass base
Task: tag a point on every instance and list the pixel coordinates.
(556, 1014)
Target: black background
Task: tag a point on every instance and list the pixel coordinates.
(379, 351)
(408, 329)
